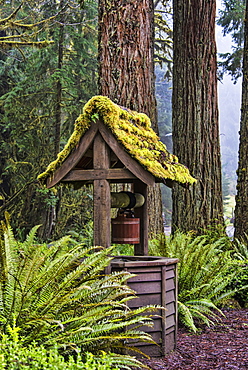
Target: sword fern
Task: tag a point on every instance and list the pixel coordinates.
(59, 294)
(205, 270)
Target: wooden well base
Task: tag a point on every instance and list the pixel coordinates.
(155, 284)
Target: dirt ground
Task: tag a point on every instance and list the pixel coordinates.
(223, 347)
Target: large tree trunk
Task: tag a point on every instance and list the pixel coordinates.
(195, 115)
(241, 208)
(126, 68)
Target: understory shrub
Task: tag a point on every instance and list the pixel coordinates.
(58, 294)
(205, 271)
(14, 355)
(240, 281)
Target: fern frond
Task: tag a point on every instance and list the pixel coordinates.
(186, 316)
(30, 239)
(206, 268)
(126, 362)
(59, 293)
(241, 248)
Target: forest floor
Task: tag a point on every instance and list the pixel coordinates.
(223, 347)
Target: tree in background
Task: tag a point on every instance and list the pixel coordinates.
(126, 68)
(163, 44)
(163, 97)
(126, 43)
(17, 32)
(231, 19)
(41, 93)
(241, 208)
(43, 88)
(195, 115)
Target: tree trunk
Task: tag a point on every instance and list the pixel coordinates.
(241, 208)
(195, 115)
(126, 68)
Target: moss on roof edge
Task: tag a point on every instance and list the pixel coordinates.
(133, 131)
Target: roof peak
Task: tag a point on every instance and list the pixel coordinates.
(134, 132)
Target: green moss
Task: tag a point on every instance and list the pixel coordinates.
(133, 131)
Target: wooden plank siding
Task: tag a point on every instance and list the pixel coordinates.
(154, 285)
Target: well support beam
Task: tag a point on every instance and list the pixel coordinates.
(141, 249)
(102, 203)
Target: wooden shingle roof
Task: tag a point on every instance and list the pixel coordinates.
(133, 132)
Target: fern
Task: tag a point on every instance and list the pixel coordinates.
(205, 270)
(14, 354)
(57, 294)
(186, 316)
(241, 248)
(240, 282)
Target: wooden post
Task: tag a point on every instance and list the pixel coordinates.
(141, 249)
(102, 221)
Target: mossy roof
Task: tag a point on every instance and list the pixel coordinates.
(134, 132)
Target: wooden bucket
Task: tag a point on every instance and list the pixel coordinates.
(125, 230)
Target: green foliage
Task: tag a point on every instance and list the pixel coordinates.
(240, 281)
(231, 18)
(163, 35)
(75, 214)
(232, 21)
(123, 249)
(241, 248)
(17, 31)
(240, 284)
(14, 355)
(133, 130)
(231, 64)
(58, 294)
(50, 197)
(216, 233)
(205, 270)
(28, 101)
(85, 236)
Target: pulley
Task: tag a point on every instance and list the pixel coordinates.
(127, 200)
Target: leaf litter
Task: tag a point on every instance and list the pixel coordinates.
(223, 346)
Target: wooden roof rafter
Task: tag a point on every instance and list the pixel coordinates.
(68, 171)
(74, 157)
(124, 131)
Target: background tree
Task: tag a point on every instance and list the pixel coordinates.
(195, 115)
(163, 36)
(18, 32)
(163, 97)
(232, 20)
(126, 68)
(163, 70)
(241, 208)
(44, 88)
